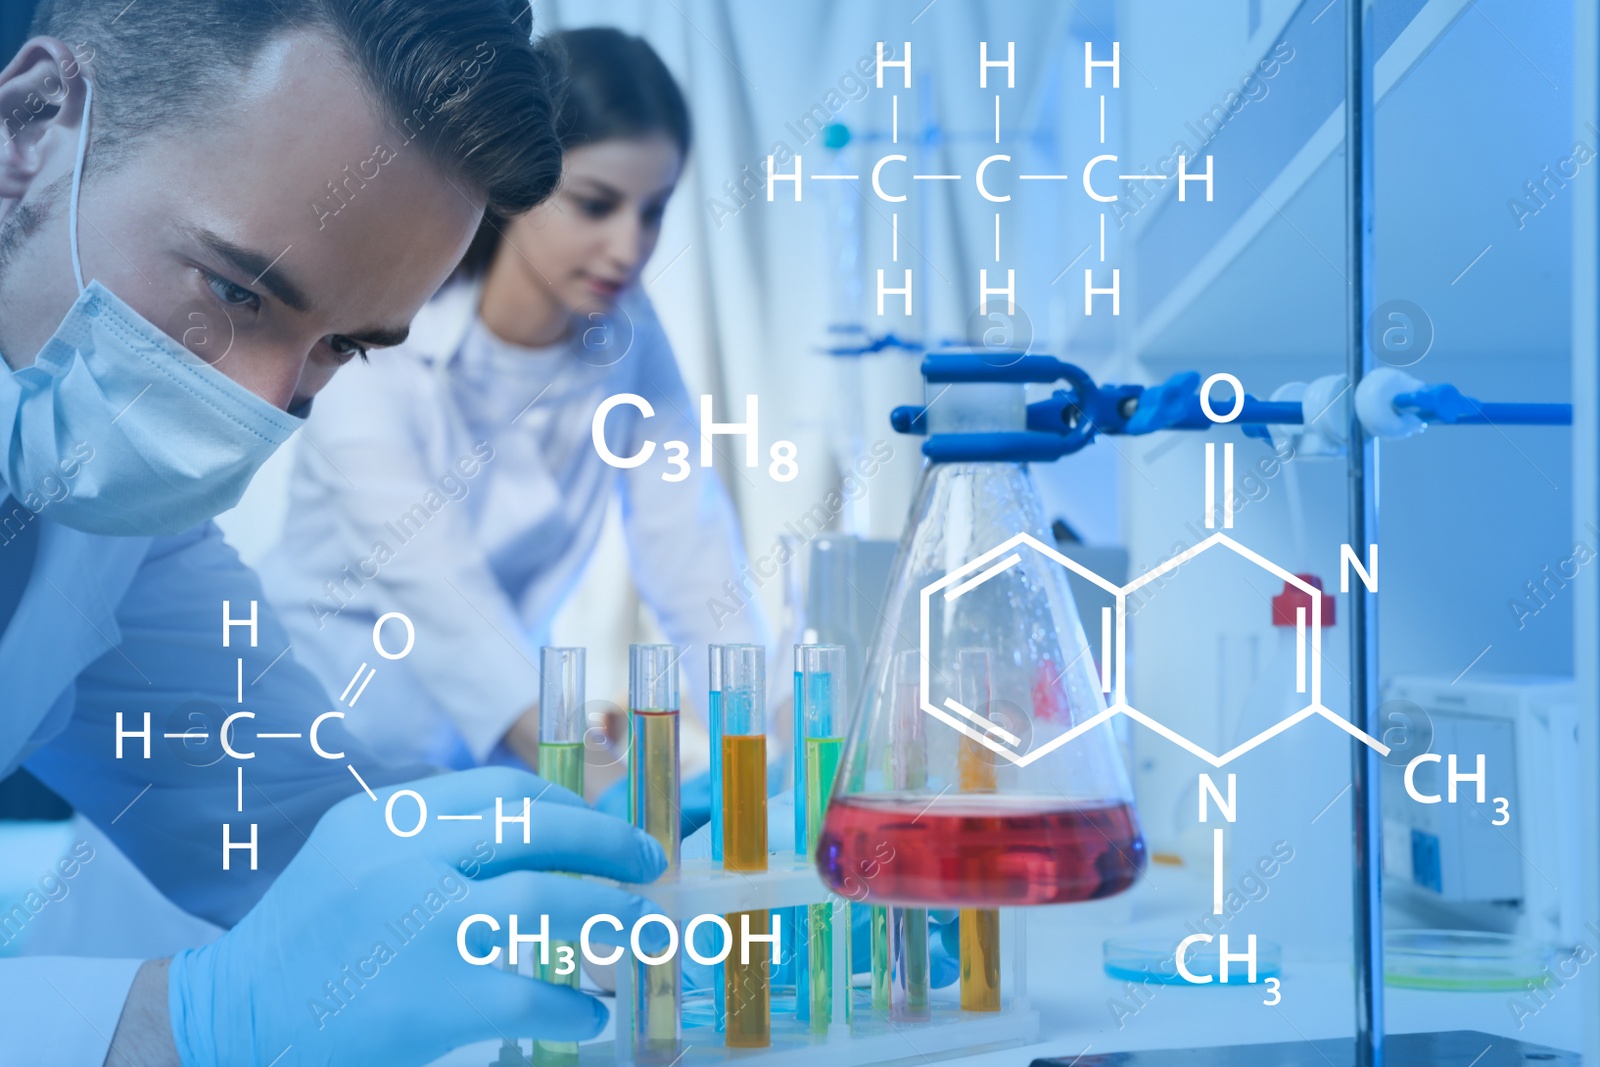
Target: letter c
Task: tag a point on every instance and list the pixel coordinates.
(225, 733)
(461, 940)
(1411, 774)
(598, 431)
(877, 188)
(1183, 967)
(315, 725)
(583, 940)
(1088, 172)
(984, 192)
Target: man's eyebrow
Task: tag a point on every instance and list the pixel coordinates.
(259, 268)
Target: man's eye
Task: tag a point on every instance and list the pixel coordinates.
(345, 348)
(231, 294)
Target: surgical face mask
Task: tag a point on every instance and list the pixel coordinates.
(171, 440)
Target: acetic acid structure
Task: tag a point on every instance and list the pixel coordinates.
(231, 732)
(890, 184)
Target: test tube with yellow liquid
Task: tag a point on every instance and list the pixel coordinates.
(980, 927)
(747, 991)
(561, 729)
(653, 792)
(821, 713)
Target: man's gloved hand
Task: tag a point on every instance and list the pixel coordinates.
(351, 956)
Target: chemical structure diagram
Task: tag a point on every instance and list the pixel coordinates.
(886, 179)
(230, 733)
(1113, 658)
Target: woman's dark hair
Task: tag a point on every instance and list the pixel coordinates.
(611, 85)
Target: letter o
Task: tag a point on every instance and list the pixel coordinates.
(1238, 397)
(422, 813)
(377, 635)
(727, 939)
(672, 940)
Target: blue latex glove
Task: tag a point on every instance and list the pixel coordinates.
(694, 803)
(944, 945)
(1167, 404)
(365, 923)
(944, 948)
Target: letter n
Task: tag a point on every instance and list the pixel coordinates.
(1367, 574)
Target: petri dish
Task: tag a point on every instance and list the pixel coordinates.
(1467, 961)
(1151, 960)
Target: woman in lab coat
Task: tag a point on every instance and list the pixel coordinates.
(455, 478)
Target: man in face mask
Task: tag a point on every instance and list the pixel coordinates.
(207, 206)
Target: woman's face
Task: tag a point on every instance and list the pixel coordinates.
(591, 239)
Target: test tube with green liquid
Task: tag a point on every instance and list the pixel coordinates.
(821, 714)
(907, 770)
(561, 729)
(975, 766)
(747, 990)
(653, 802)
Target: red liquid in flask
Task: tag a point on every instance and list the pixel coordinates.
(978, 850)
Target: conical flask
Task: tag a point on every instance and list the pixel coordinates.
(980, 769)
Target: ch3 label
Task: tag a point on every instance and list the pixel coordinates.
(784, 465)
(1502, 807)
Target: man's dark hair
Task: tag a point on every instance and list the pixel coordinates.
(612, 85)
(460, 77)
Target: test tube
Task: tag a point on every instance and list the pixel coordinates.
(980, 927)
(714, 720)
(907, 770)
(714, 723)
(821, 713)
(801, 948)
(653, 801)
(561, 730)
(746, 986)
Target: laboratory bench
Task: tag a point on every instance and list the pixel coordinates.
(1073, 995)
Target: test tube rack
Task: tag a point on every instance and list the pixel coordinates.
(703, 887)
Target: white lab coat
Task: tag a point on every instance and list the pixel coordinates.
(456, 480)
(133, 625)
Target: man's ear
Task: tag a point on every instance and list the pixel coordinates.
(41, 91)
